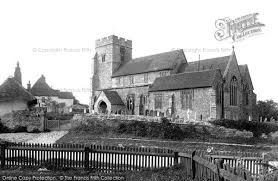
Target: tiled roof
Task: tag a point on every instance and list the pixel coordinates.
(242, 69)
(41, 88)
(65, 95)
(162, 61)
(208, 64)
(113, 97)
(185, 80)
(12, 90)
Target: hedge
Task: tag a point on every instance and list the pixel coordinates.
(257, 128)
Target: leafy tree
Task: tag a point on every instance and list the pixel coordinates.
(267, 109)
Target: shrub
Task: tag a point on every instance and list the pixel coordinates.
(122, 128)
(257, 128)
(19, 129)
(3, 128)
(153, 130)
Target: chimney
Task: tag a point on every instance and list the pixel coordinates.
(29, 86)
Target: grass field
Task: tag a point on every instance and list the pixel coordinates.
(167, 174)
(115, 140)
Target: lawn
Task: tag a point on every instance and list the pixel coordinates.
(93, 130)
(190, 144)
(166, 174)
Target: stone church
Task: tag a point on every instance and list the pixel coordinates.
(166, 84)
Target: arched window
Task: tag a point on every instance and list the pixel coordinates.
(130, 102)
(245, 95)
(219, 94)
(233, 91)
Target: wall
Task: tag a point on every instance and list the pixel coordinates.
(30, 119)
(110, 46)
(137, 91)
(138, 79)
(68, 102)
(203, 104)
(9, 106)
(233, 112)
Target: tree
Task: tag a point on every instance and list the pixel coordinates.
(75, 101)
(267, 109)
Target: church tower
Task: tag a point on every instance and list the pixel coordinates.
(17, 74)
(111, 53)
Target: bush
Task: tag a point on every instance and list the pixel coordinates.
(257, 128)
(154, 130)
(3, 128)
(93, 126)
(19, 129)
(164, 130)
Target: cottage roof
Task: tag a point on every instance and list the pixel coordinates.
(65, 95)
(41, 88)
(162, 61)
(12, 90)
(185, 80)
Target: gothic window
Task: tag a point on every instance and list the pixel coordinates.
(187, 99)
(131, 79)
(146, 78)
(245, 95)
(130, 101)
(219, 94)
(118, 80)
(122, 53)
(158, 101)
(103, 57)
(233, 91)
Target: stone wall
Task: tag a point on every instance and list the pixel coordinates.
(203, 105)
(14, 105)
(139, 79)
(31, 119)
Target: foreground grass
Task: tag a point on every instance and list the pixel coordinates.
(189, 144)
(163, 174)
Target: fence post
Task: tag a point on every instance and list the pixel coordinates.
(193, 165)
(59, 125)
(220, 165)
(2, 154)
(176, 158)
(86, 159)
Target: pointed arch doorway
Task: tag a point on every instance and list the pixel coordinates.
(102, 107)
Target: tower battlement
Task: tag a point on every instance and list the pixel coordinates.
(113, 40)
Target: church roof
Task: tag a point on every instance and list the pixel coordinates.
(242, 69)
(185, 80)
(161, 61)
(113, 97)
(12, 90)
(207, 64)
(41, 88)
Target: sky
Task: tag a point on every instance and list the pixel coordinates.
(56, 38)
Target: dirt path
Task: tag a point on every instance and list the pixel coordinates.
(47, 138)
